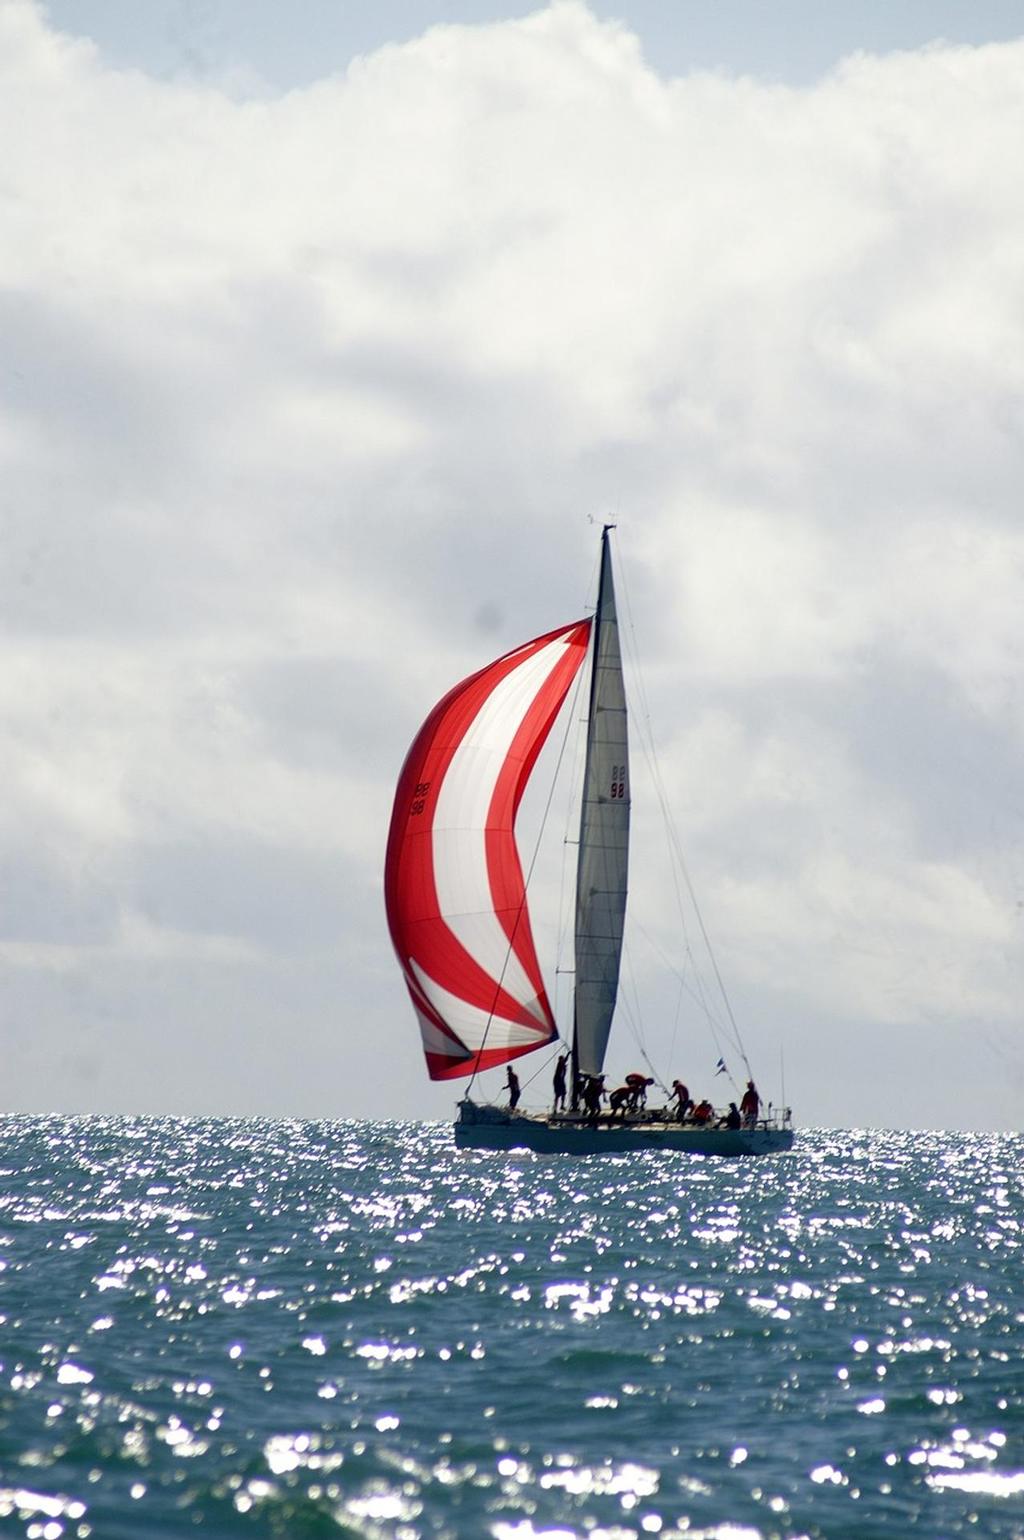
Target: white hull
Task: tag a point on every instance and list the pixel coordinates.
(491, 1128)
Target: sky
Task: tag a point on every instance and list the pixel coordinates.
(326, 349)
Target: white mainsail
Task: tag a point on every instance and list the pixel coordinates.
(604, 837)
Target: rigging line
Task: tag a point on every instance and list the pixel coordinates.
(716, 1026)
(566, 904)
(649, 747)
(732, 1037)
(713, 959)
(634, 1017)
(697, 994)
(642, 1051)
(633, 1025)
(711, 1020)
(675, 1026)
(526, 888)
(673, 832)
(595, 577)
(695, 990)
(578, 769)
(560, 1046)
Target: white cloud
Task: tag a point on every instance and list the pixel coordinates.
(303, 401)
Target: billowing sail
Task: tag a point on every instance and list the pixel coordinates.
(453, 882)
(604, 837)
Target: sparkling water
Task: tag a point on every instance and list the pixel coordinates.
(314, 1329)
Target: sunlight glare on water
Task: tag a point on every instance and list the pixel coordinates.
(291, 1329)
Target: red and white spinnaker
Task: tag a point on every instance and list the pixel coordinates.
(453, 884)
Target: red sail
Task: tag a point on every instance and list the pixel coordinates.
(453, 881)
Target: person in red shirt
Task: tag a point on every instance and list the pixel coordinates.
(638, 1086)
(750, 1104)
(619, 1100)
(682, 1096)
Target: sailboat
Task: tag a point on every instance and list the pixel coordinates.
(457, 903)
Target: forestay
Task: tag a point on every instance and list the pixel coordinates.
(454, 888)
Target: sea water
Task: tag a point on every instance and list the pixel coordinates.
(315, 1329)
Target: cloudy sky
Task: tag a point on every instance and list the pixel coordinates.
(322, 346)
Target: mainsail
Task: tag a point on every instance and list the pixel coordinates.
(604, 838)
(453, 882)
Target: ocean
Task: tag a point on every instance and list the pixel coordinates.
(291, 1329)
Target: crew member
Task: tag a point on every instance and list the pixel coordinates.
(682, 1096)
(593, 1094)
(750, 1104)
(559, 1083)
(619, 1100)
(638, 1085)
(512, 1081)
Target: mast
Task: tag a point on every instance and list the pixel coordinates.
(604, 838)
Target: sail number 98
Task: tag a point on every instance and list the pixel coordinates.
(419, 798)
(618, 787)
